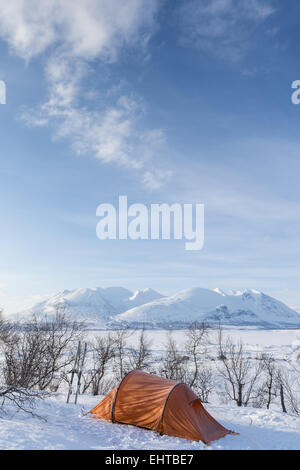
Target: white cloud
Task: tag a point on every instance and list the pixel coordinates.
(222, 27)
(71, 34)
(111, 134)
(82, 28)
(156, 178)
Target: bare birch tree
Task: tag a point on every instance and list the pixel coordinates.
(40, 351)
(196, 349)
(140, 357)
(121, 362)
(174, 363)
(102, 353)
(239, 374)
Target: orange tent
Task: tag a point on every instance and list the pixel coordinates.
(163, 405)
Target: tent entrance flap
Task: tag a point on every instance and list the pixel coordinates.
(116, 396)
(165, 404)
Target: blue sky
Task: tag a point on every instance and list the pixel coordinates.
(162, 101)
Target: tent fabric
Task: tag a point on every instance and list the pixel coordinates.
(159, 404)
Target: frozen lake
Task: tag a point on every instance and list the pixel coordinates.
(278, 342)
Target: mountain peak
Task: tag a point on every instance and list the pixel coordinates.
(219, 291)
(103, 306)
(141, 296)
(240, 308)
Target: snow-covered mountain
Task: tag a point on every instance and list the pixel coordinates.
(96, 306)
(112, 306)
(247, 307)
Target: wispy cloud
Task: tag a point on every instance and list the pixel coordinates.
(80, 28)
(223, 28)
(72, 34)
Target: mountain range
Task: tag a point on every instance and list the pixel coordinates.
(113, 306)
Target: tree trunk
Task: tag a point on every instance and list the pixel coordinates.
(240, 395)
(282, 399)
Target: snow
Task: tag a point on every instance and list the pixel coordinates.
(96, 306)
(67, 428)
(249, 307)
(282, 344)
(143, 296)
(102, 308)
(219, 291)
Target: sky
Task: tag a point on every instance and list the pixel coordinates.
(164, 101)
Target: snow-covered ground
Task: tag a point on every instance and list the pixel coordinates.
(67, 428)
(280, 343)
